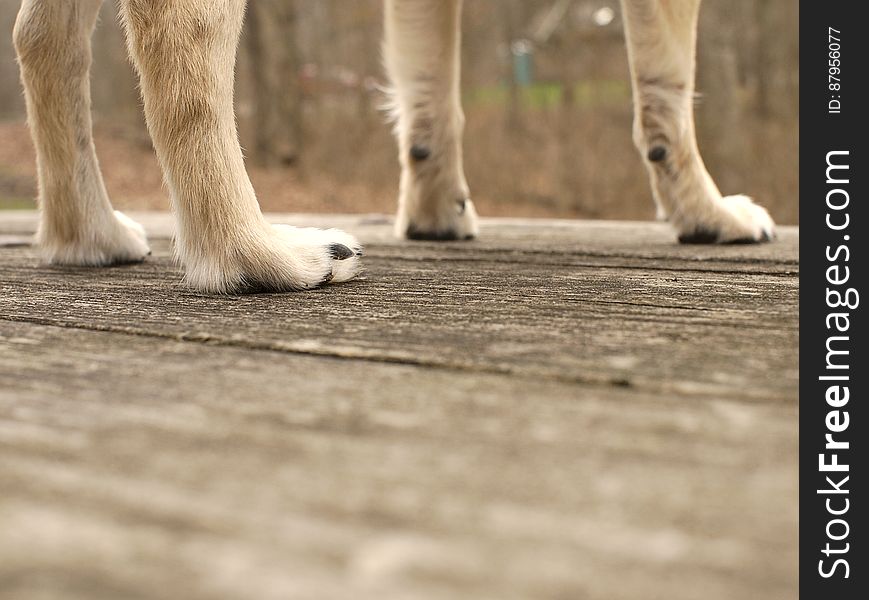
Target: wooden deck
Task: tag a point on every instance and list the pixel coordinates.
(562, 410)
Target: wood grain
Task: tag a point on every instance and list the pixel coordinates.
(562, 410)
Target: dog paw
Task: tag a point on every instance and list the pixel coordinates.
(279, 258)
(116, 240)
(337, 251)
(452, 222)
(731, 220)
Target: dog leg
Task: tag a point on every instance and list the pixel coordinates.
(77, 225)
(421, 48)
(662, 37)
(184, 51)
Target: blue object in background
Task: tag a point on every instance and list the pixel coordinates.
(522, 52)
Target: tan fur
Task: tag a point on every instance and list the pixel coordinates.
(662, 38)
(184, 51)
(78, 225)
(421, 49)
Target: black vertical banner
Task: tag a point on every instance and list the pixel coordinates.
(834, 366)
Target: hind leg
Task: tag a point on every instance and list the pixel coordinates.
(184, 51)
(77, 225)
(661, 36)
(421, 47)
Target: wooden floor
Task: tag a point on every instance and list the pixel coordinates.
(562, 410)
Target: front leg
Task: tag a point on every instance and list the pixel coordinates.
(661, 37)
(185, 53)
(421, 47)
(77, 225)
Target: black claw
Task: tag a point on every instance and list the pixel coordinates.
(419, 152)
(699, 236)
(657, 154)
(340, 252)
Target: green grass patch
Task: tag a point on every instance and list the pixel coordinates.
(545, 95)
(17, 203)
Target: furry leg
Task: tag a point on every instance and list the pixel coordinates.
(77, 225)
(662, 37)
(185, 53)
(421, 48)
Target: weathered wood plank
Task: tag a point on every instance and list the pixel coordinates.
(669, 331)
(561, 410)
(572, 242)
(139, 467)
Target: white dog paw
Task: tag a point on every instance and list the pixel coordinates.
(132, 242)
(732, 220)
(279, 259)
(115, 240)
(337, 251)
(451, 222)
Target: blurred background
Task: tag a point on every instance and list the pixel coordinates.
(546, 95)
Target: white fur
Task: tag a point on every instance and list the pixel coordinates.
(421, 49)
(116, 240)
(184, 51)
(662, 37)
(78, 226)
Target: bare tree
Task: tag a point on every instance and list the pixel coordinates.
(277, 118)
(720, 95)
